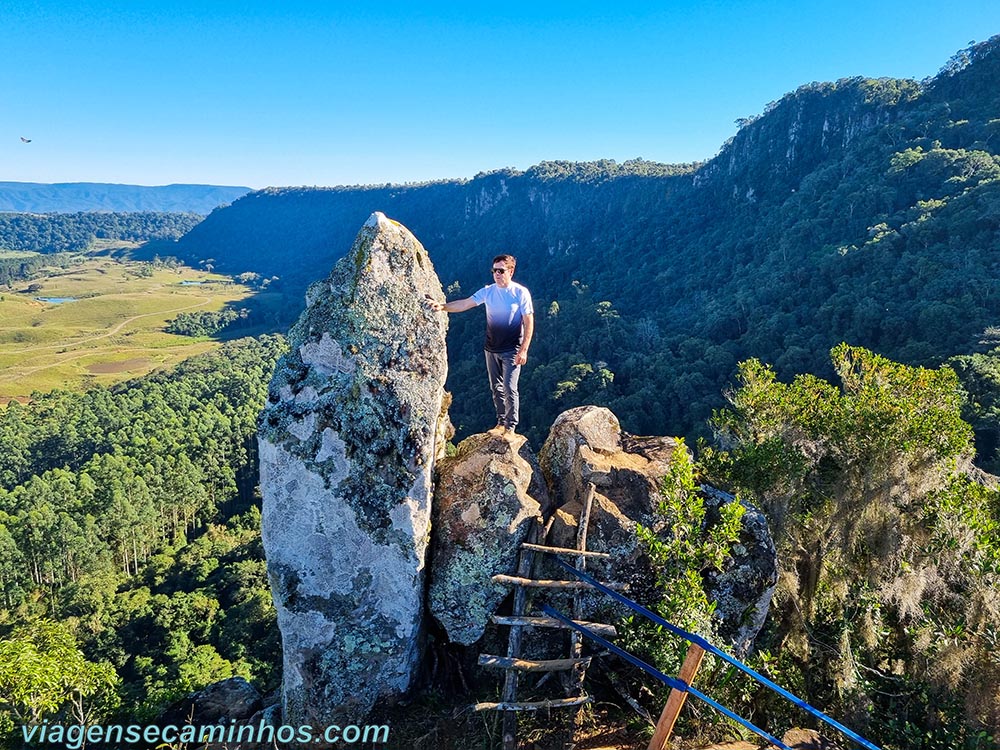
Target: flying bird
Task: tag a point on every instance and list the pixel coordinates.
(25, 140)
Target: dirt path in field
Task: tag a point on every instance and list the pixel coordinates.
(110, 332)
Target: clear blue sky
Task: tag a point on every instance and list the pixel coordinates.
(259, 93)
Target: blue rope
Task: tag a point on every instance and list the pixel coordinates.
(671, 682)
(717, 652)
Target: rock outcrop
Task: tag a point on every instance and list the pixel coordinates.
(742, 592)
(347, 444)
(586, 445)
(487, 497)
(230, 701)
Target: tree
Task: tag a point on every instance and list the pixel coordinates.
(43, 671)
(889, 548)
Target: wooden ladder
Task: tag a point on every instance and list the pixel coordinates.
(513, 663)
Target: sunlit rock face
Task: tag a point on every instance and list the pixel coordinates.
(347, 446)
(586, 445)
(487, 498)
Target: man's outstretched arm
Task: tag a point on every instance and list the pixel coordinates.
(458, 305)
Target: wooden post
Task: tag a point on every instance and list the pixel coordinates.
(514, 646)
(576, 638)
(675, 701)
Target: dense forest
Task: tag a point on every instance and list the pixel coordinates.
(18, 266)
(886, 607)
(128, 527)
(54, 233)
(204, 323)
(864, 210)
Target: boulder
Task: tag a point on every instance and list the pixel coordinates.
(268, 716)
(347, 445)
(742, 592)
(808, 739)
(226, 702)
(586, 445)
(487, 497)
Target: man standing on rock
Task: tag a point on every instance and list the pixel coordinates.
(510, 323)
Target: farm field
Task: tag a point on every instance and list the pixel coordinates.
(102, 322)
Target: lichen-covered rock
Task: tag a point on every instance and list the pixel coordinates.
(577, 440)
(586, 445)
(742, 592)
(487, 497)
(445, 429)
(229, 701)
(347, 445)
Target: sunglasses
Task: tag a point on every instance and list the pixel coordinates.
(499, 270)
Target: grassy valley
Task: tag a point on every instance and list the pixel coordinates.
(101, 320)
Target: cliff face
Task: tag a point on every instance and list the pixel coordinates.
(776, 151)
(34, 197)
(347, 444)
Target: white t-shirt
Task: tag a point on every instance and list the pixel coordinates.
(505, 311)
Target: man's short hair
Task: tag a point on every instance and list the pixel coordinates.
(508, 260)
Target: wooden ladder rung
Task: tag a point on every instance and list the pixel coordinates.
(600, 628)
(565, 551)
(543, 584)
(531, 665)
(533, 705)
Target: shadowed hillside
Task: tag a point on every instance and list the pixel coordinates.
(865, 210)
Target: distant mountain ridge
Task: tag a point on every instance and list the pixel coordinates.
(73, 197)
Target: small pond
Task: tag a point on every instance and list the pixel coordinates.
(56, 300)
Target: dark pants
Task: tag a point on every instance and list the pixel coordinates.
(503, 385)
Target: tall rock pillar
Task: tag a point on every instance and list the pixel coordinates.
(347, 445)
